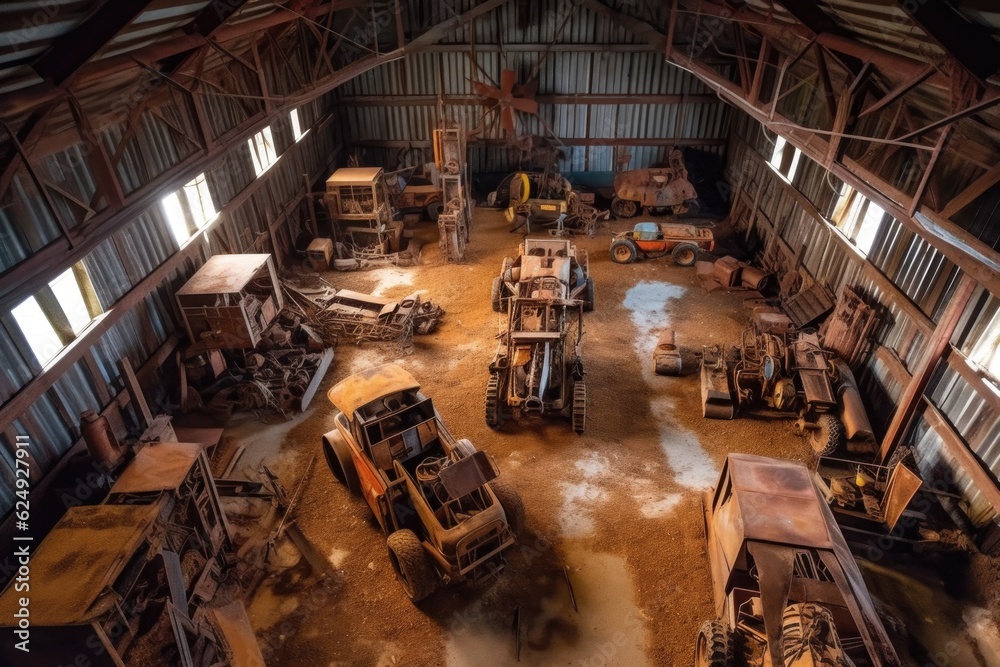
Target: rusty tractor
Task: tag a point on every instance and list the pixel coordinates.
(658, 191)
(538, 366)
(659, 239)
(787, 373)
(557, 259)
(788, 592)
(445, 516)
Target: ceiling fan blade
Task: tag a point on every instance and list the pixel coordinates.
(507, 120)
(525, 105)
(528, 90)
(486, 90)
(507, 80)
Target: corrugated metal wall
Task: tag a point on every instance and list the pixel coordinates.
(142, 246)
(910, 281)
(450, 74)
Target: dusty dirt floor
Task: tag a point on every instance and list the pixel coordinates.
(617, 511)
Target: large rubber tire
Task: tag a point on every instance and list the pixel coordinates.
(338, 458)
(623, 251)
(434, 210)
(512, 506)
(624, 208)
(496, 300)
(714, 647)
(493, 410)
(685, 254)
(412, 565)
(579, 407)
(588, 296)
(828, 436)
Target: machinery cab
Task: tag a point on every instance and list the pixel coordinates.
(361, 209)
(779, 563)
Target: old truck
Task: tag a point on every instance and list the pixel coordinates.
(539, 258)
(658, 190)
(788, 592)
(658, 239)
(445, 516)
(538, 366)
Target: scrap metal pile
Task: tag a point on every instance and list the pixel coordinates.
(274, 381)
(783, 370)
(326, 314)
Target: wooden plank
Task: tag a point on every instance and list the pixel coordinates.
(134, 390)
(933, 353)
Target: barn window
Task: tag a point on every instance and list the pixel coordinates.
(262, 150)
(38, 330)
(297, 132)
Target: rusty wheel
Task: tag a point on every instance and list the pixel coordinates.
(493, 401)
(714, 647)
(685, 254)
(623, 251)
(412, 564)
(624, 208)
(338, 458)
(512, 506)
(579, 407)
(434, 210)
(827, 436)
(496, 300)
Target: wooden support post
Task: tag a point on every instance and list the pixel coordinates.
(134, 390)
(935, 350)
(311, 204)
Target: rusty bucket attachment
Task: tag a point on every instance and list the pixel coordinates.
(716, 396)
(666, 356)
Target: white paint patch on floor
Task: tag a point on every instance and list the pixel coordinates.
(687, 458)
(983, 630)
(608, 629)
(580, 498)
(337, 557)
(653, 502)
(390, 277)
(649, 304)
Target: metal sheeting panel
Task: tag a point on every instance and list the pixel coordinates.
(26, 225)
(107, 274)
(938, 465)
(14, 370)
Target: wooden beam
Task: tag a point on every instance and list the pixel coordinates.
(74, 49)
(968, 43)
(933, 353)
(986, 103)
(928, 171)
(134, 390)
(566, 141)
(899, 91)
(969, 194)
(475, 100)
(108, 184)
